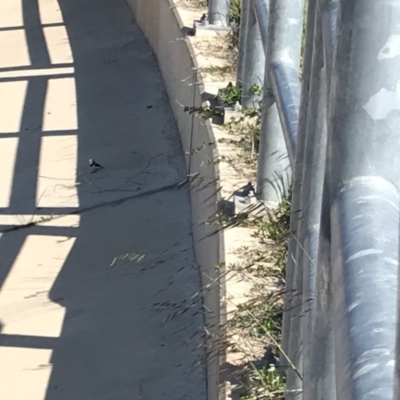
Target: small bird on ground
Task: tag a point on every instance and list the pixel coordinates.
(249, 188)
(203, 18)
(94, 164)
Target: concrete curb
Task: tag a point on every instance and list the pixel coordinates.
(162, 25)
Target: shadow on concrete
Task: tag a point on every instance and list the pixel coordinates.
(133, 325)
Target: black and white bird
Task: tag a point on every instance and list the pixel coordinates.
(94, 164)
(249, 188)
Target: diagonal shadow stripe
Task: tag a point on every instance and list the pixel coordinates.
(30, 342)
(53, 76)
(12, 28)
(34, 34)
(27, 68)
(10, 246)
(23, 194)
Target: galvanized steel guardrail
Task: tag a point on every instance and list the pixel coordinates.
(336, 137)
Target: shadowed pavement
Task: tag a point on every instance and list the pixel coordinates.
(98, 279)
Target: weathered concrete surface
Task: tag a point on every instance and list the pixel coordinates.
(165, 30)
(87, 294)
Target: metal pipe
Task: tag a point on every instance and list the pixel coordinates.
(329, 17)
(364, 251)
(310, 257)
(244, 15)
(286, 90)
(254, 62)
(363, 180)
(319, 356)
(261, 8)
(284, 43)
(320, 381)
(218, 12)
(311, 204)
(298, 173)
(310, 200)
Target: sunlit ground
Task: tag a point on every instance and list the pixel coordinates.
(81, 317)
(25, 308)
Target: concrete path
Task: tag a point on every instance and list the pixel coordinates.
(97, 269)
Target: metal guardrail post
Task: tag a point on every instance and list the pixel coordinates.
(292, 247)
(254, 61)
(298, 173)
(329, 19)
(286, 89)
(311, 205)
(363, 177)
(308, 216)
(261, 8)
(321, 383)
(244, 15)
(284, 82)
(318, 353)
(218, 12)
(284, 43)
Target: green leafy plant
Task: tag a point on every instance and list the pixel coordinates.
(235, 11)
(205, 112)
(256, 89)
(227, 97)
(230, 95)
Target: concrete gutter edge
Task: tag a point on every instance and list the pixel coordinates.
(176, 58)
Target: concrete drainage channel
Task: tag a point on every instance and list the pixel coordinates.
(163, 26)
